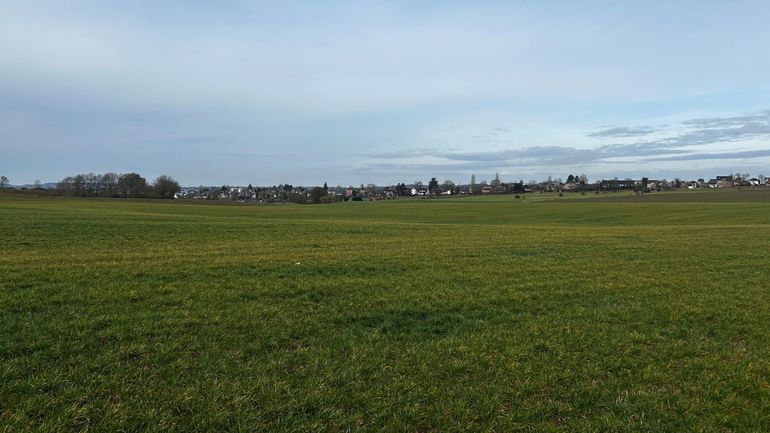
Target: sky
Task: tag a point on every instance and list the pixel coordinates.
(349, 92)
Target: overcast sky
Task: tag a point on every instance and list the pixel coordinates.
(238, 92)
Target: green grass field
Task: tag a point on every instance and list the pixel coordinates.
(577, 314)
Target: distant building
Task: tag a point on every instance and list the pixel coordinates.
(419, 191)
(725, 182)
(616, 184)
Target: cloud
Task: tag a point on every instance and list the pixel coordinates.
(498, 158)
(541, 154)
(678, 147)
(761, 118)
(406, 153)
(494, 135)
(716, 155)
(714, 130)
(253, 91)
(624, 131)
(719, 130)
(699, 131)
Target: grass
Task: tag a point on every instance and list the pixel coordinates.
(487, 313)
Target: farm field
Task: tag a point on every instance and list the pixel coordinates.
(591, 313)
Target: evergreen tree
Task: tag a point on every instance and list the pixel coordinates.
(433, 185)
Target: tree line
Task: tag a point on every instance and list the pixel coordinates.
(118, 185)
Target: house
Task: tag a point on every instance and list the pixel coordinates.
(725, 182)
(616, 184)
(486, 190)
(419, 191)
(754, 181)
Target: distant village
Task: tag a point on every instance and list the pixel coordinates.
(133, 185)
(434, 188)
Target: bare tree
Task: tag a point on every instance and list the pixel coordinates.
(3, 182)
(91, 184)
(316, 195)
(449, 187)
(108, 184)
(79, 186)
(496, 182)
(66, 186)
(132, 185)
(166, 186)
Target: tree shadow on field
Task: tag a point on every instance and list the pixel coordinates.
(408, 323)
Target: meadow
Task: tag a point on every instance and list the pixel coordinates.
(548, 314)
